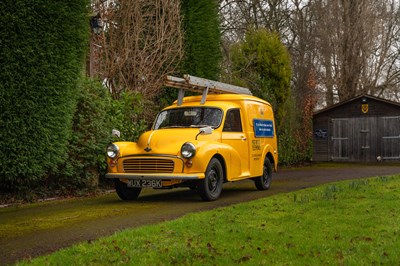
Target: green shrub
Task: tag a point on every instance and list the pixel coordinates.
(262, 63)
(95, 117)
(126, 115)
(294, 136)
(42, 51)
(91, 134)
(290, 150)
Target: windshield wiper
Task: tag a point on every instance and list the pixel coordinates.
(198, 126)
(171, 127)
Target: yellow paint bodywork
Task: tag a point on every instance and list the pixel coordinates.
(241, 154)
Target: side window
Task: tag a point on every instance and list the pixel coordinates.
(233, 123)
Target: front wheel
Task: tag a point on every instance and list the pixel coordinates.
(264, 182)
(125, 192)
(210, 187)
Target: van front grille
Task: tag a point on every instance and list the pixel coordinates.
(148, 165)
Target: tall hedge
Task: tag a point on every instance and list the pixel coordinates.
(202, 38)
(42, 51)
(201, 42)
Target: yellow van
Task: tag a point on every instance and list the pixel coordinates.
(199, 142)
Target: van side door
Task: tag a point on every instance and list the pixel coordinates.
(234, 135)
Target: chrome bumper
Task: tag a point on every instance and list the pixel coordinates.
(155, 176)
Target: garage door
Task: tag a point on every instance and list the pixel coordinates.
(391, 138)
(354, 139)
(340, 139)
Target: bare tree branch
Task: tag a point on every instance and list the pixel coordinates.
(142, 43)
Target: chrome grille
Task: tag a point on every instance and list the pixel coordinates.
(148, 165)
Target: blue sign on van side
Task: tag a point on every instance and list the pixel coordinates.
(263, 128)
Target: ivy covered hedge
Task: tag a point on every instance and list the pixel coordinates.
(42, 49)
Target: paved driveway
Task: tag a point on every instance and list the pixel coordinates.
(155, 206)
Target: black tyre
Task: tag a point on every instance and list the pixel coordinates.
(211, 186)
(264, 182)
(125, 192)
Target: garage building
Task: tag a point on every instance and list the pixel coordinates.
(362, 129)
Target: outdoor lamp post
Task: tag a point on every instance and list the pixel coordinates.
(96, 24)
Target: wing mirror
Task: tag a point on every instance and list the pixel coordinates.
(204, 131)
(116, 133)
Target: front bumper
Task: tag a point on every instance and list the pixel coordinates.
(157, 176)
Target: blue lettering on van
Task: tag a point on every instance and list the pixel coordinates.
(263, 128)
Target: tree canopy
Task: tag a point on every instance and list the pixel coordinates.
(262, 63)
(351, 47)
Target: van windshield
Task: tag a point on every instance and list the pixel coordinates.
(189, 117)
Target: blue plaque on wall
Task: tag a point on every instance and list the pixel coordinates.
(263, 128)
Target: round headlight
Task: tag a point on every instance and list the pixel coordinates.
(188, 150)
(112, 151)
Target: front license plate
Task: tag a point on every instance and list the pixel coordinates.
(145, 183)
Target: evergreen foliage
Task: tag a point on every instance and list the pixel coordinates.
(294, 140)
(202, 44)
(42, 49)
(95, 117)
(127, 115)
(91, 134)
(202, 38)
(262, 63)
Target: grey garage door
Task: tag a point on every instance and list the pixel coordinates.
(355, 139)
(391, 138)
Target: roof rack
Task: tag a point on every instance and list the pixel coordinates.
(202, 85)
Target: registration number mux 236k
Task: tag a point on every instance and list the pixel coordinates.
(144, 183)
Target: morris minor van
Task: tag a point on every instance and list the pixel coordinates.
(199, 142)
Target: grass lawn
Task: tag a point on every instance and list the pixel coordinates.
(348, 223)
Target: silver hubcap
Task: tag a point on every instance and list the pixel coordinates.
(212, 180)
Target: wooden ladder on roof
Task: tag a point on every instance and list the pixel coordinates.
(196, 84)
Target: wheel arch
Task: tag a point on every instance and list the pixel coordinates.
(272, 160)
(223, 164)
